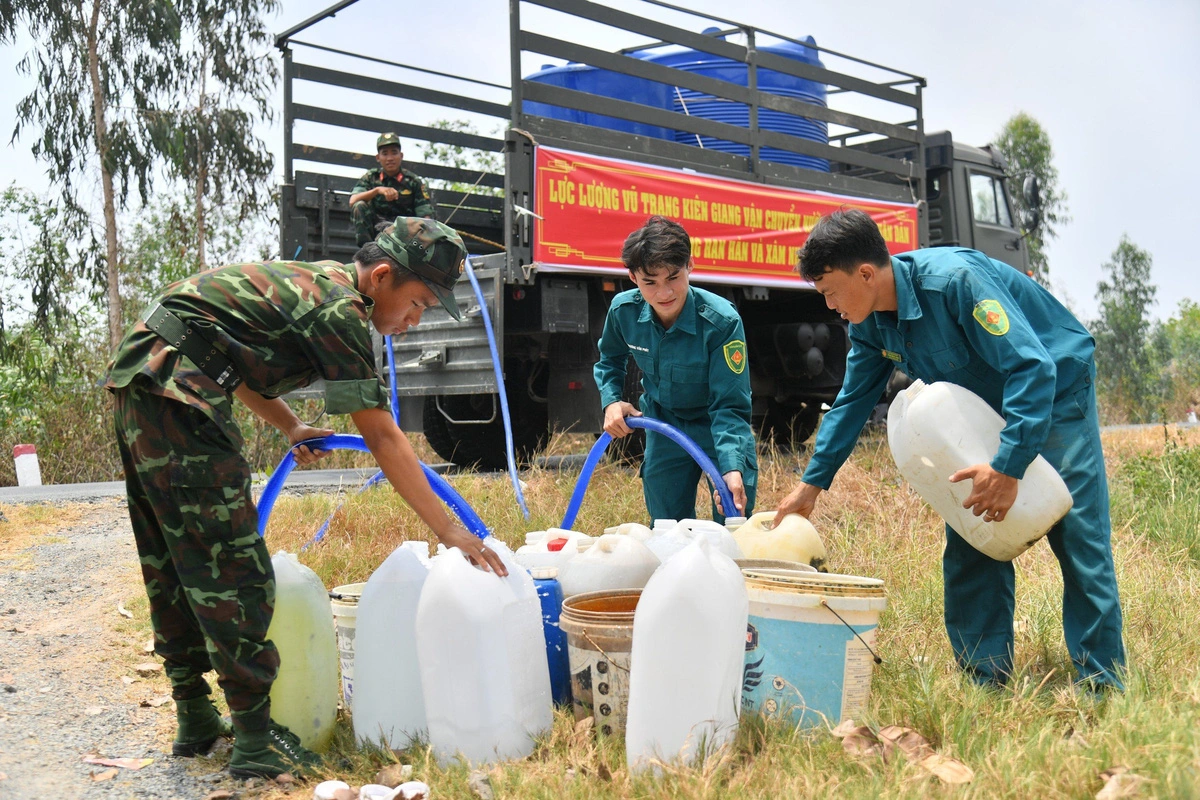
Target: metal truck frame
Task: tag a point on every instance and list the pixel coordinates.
(547, 323)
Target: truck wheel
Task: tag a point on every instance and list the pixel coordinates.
(788, 426)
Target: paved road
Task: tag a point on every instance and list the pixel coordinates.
(300, 481)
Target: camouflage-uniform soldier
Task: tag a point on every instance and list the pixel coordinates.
(388, 192)
(257, 331)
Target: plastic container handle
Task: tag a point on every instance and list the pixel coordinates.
(655, 426)
(345, 441)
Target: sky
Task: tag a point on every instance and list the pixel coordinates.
(1116, 85)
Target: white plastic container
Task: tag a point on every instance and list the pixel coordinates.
(689, 635)
(304, 696)
(669, 542)
(613, 562)
(554, 548)
(388, 703)
(937, 429)
(794, 539)
(635, 529)
(482, 656)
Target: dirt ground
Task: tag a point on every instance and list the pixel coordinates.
(74, 629)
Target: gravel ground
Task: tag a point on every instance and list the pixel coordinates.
(68, 684)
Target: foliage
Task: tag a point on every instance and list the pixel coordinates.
(1182, 337)
(449, 155)
(206, 129)
(1126, 367)
(1026, 147)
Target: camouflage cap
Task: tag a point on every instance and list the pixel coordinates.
(386, 139)
(431, 250)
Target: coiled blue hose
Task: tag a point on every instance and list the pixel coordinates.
(655, 426)
(497, 368)
(343, 441)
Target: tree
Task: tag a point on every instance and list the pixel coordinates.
(98, 64)
(226, 82)
(1182, 334)
(1126, 368)
(1026, 147)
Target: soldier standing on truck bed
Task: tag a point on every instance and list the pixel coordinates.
(383, 194)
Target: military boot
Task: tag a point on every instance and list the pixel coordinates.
(199, 726)
(270, 753)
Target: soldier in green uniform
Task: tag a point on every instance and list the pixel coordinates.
(691, 348)
(257, 331)
(388, 192)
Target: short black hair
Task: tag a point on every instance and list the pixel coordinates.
(371, 253)
(661, 242)
(842, 240)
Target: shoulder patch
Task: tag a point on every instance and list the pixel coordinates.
(735, 356)
(990, 314)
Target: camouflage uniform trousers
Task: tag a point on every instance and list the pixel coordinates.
(207, 572)
(368, 219)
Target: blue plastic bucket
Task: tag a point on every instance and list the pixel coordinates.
(809, 645)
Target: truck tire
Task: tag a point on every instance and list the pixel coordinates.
(789, 425)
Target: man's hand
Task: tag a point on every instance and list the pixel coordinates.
(733, 480)
(992, 493)
(802, 501)
(386, 192)
(303, 455)
(614, 419)
(473, 548)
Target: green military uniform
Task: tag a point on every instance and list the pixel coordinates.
(694, 377)
(413, 201)
(208, 575)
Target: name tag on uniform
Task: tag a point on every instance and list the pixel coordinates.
(639, 349)
(890, 355)
(406, 191)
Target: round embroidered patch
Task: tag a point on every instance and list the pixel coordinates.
(990, 314)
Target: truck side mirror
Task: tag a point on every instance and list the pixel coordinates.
(1031, 193)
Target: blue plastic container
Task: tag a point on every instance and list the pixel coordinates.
(605, 83)
(551, 596)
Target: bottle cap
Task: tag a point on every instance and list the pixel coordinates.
(544, 573)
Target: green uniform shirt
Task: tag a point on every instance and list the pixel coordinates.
(283, 324)
(412, 202)
(695, 370)
(971, 320)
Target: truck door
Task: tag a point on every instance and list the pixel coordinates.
(992, 224)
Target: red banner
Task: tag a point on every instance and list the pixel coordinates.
(742, 232)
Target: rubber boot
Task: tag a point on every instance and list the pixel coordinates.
(270, 753)
(199, 726)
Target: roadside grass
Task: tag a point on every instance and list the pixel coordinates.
(1038, 737)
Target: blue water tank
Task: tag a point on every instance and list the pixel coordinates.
(606, 83)
(722, 110)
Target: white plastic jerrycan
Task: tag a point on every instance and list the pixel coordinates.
(388, 703)
(793, 539)
(613, 562)
(634, 529)
(483, 660)
(304, 696)
(671, 541)
(554, 548)
(937, 429)
(689, 637)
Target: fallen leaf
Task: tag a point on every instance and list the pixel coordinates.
(148, 669)
(862, 743)
(914, 746)
(948, 770)
(393, 775)
(148, 647)
(125, 763)
(123, 611)
(844, 729)
(156, 702)
(480, 785)
(1119, 782)
(219, 794)
(107, 775)
(285, 779)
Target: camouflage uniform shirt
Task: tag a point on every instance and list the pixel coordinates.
(413, 200)
(283, 324)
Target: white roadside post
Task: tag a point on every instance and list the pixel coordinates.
(29, 473)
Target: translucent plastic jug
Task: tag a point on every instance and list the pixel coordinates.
(554, 548)
(613, 562)
(667, 542)
(689, 637)
(937, 429)
(635, 529)
(483, 660)
(305, 693)
(794, 539)
(388, 703)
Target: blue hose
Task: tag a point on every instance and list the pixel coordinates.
(508, 437)
(343, 441)
(391, 359)
(655, 426)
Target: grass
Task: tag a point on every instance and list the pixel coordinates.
(1039, 737)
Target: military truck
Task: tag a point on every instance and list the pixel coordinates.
(743, 134)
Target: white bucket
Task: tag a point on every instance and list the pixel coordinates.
(809, 645)
(344, 602)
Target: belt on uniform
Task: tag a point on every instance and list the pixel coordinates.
(190, 340)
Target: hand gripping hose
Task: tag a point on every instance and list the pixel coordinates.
(342, 441)
(655, 426)
(497, 368)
